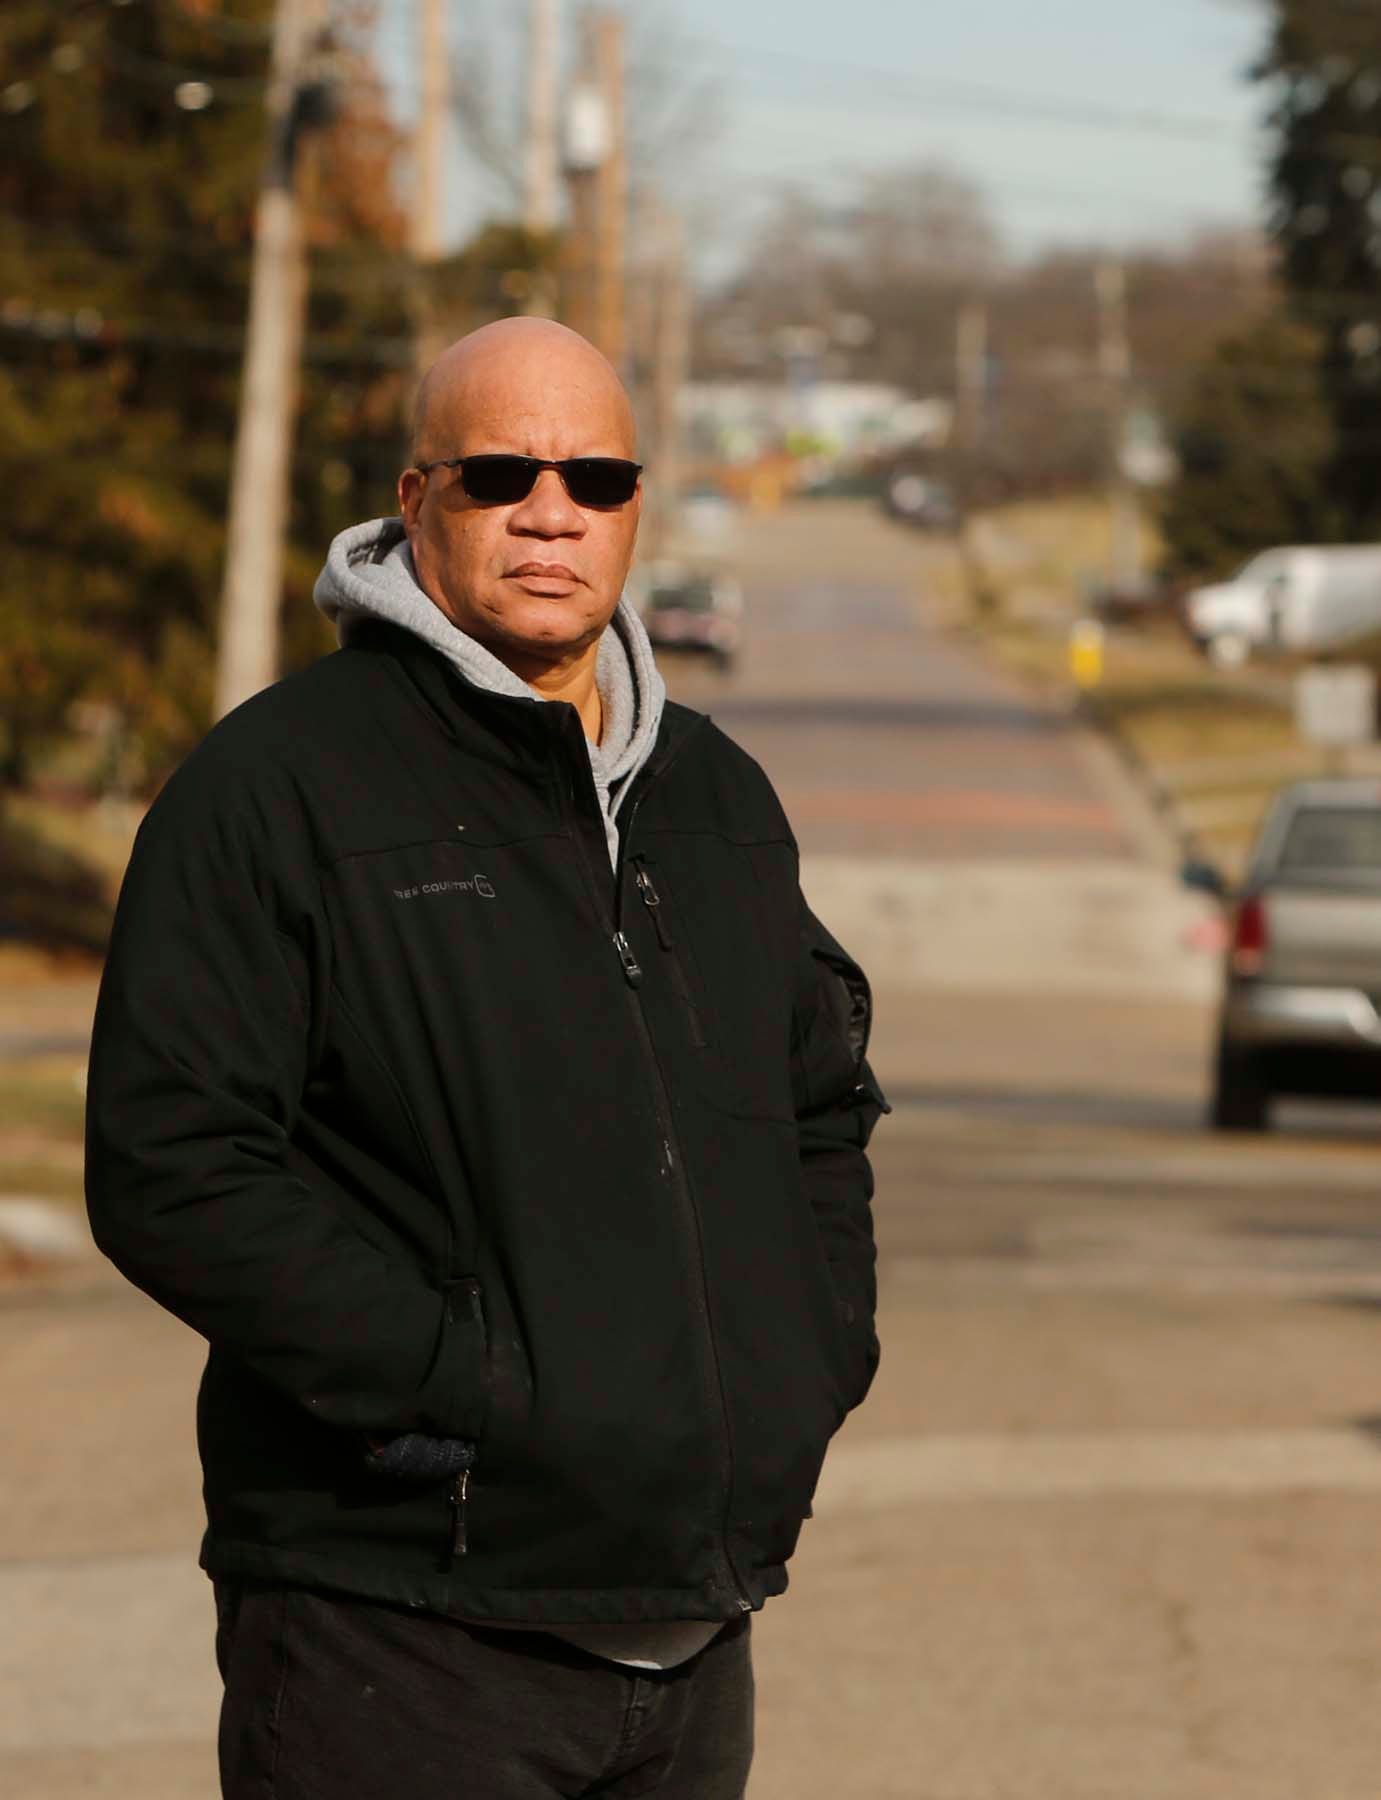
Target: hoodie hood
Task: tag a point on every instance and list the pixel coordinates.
(369, 575)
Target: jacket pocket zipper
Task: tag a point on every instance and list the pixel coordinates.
(458, 1488)
(652, 900)
(460, 1499)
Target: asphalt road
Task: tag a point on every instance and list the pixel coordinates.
(1105, 1529)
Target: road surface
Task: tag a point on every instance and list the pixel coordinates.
(1105, 1530)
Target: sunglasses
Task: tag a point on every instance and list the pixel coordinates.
(502, 480)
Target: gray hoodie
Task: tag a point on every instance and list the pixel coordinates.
(369, 575)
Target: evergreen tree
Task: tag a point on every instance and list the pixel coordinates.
(1324, 67)
(1253, 444)
(131, 139)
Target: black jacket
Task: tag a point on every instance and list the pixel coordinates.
(427, 1123)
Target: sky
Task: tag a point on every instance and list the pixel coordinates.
(1082, 120)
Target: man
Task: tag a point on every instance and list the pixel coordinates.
(469, 1072)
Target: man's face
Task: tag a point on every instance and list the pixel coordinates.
(536, 581)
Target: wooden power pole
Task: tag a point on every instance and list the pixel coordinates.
(429, 199)
(539, 188)
(428, 223)
(586, 147)
(670, 365)
(597, 187)
(970, 407)
(971, 376)
(543, 164)
(610, 284)
(1115, 365)
(251, 596)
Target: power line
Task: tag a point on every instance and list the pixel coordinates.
(986, 186)
(974, 96)
(883, 85)
(1035, 107)
(955, 91)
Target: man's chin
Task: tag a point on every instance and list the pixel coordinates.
(545, 628)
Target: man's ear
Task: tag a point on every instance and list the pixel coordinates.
(412, 484)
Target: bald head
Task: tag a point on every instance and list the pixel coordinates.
(521, 370)
(535, 579)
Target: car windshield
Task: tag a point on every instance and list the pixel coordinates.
(1333, 841)
(689, 596)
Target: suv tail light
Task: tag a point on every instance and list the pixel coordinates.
(1250, 936)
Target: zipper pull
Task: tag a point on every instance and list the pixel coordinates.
(652, 900)
(460, 1493)
(632, 968)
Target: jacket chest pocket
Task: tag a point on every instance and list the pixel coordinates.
(719, 930)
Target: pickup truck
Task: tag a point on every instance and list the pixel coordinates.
(1301, 1009)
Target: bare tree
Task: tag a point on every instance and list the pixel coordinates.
(880, 276)
(925, 223)
(674, 100)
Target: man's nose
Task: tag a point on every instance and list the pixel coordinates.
(549, 510)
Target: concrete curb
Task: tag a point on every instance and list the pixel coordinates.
(1148, 808)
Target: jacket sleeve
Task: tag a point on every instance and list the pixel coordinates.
(838, 1102)
(199, 1056)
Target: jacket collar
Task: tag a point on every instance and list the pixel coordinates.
(513, 730)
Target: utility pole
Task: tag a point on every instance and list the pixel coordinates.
(642, 304)
(251, 596)
(970, 407)
(670, 362)
(971, 376)
(610, 281)
(428, 213)
(543, 160)
(597, 188)
(428, 221)
(539, 194)
(1115, 366)
(586, 151)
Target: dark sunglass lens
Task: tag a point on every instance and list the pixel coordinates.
(600, 480)
(498, 480)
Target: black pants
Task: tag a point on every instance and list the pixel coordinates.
(332, 1698)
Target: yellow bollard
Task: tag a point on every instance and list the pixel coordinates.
(1086, 654)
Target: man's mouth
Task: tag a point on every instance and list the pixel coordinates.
(543, 571)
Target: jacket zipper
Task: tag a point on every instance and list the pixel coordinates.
(714, 1373)
(460, 1498)
(633, 977)
(652, 900)
(458, 1491)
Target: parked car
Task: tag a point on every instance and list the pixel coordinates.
(708, 519)
(918, 497)
(1295, 598)
(1303, 961)
(694, 610)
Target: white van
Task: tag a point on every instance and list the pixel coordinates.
(1296, 598)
